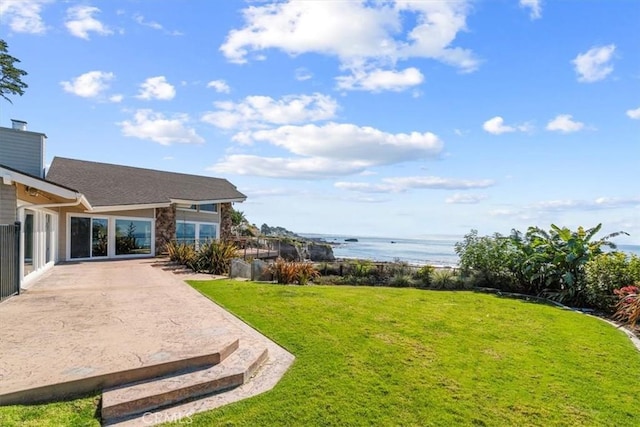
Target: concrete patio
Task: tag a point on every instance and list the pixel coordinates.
(87, 326)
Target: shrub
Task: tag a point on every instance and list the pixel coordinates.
(559, 257)
(289, 272)
(607, 272)
(361, 272)
(182, 253)
(214, 257)
(424, 275)
(628, 306)
(360, 268)
(444, 279)
(401, 281)
(306, 272)
(486, 260)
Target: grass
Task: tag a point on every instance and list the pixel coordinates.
(384, 356)
(79, 412)
(381, 356)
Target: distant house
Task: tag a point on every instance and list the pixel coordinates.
(84, 210)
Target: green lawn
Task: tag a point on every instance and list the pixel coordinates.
(384, 356)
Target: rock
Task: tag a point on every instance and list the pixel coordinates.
(351, 240)
(320, 252)
(290, 251)
(240, 268)
(260, 271)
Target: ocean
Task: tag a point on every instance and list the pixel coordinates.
(436, 251)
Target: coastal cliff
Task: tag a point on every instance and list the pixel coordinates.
(294, 247)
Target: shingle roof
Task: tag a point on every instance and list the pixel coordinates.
(105, 184)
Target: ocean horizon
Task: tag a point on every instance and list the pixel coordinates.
(436, 250)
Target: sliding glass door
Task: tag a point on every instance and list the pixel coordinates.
(89, 237)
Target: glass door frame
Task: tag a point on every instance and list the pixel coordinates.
(91, 236)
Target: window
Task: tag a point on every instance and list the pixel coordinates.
(207, 207)
(211, 207)
(186, 232)
(207, 232)
(133, 236)
(100, 237)
(195, 232)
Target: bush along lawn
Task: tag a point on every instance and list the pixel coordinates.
(567, 266)
(384, 356)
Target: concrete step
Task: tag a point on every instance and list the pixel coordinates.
(136, 398)
(213, 355)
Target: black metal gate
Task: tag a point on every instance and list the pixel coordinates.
(9, 260)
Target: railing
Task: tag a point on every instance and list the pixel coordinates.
(257, 247)
(248, 247)
(9, 260)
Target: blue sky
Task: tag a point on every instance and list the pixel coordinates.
(380, 118)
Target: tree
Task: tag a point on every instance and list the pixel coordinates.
(10, 77)
(237, 217)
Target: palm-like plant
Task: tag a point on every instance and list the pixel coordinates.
(557, 259)
(237, 217)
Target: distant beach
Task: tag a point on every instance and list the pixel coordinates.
(436, 251)
(429, 251)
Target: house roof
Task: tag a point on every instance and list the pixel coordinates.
(9, 175)
(106, 184)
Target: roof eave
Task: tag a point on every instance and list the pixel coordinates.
(131, 207)
(9, 175)
(205, 202)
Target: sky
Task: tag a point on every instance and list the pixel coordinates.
(372, 118)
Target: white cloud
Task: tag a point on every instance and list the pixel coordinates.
(148, 124)
(154, 25)
(117, 98)
(634, 114)
(569, 205)
(80, 22)
(328, 151)
(467, 199)
(534, 6)
(564, 123)
(403, 184)
(156, 88)
(219, 86)
(23, 16)
(595, 204)
(151, 24)
(89, 85)
(366, 146)
(257, 111)
(281, 167)
(379, 80)
(594, 65)
(303, 74)
(496, 126)
(378, 37)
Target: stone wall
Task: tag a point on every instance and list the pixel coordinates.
(165, 227)
(225, 221)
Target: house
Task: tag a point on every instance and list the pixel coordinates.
(83, 210)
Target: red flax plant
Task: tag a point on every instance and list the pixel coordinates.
(287, 272)
(628, 306)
